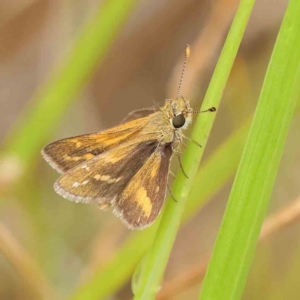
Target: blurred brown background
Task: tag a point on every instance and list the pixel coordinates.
(140, 69)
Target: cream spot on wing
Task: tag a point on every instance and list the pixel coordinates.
(107, 178)
(157, 189)
(85, 167)
(76, 184)
(78, 144)
(74, 158)
(118, 179)
(144, 201)
(104, 178)
(85, 182)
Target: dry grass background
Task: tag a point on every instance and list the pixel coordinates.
(64, 241)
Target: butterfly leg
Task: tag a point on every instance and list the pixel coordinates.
(170, 191)
(171, 173)
(178, 153)
(183, 144)
(191, 140)
(181, 167)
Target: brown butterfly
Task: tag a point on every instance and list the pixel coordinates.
(126, 166)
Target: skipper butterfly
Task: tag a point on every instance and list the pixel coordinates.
(125, 167)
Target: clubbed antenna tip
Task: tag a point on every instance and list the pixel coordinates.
(187, 51)
(187, 54)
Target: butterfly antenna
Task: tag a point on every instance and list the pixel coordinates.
(212, 109)
(187, 54)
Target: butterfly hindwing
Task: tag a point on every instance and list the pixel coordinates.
(65, 154)
(103, 178)
(141, 201)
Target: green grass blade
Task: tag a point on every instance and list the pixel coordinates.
(221, 166)
(249, 198)
(51, 101)
(154, 263)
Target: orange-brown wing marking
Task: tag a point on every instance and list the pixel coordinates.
(141, 201)
(65, 154)
(103, 178)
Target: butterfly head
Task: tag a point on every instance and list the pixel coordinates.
(179, 112)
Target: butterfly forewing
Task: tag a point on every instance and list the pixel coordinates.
(65, 154)
(141, 201)
(104, 177)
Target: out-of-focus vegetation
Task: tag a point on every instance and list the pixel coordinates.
(52, 248)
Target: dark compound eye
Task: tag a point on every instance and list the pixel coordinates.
(178, 121)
